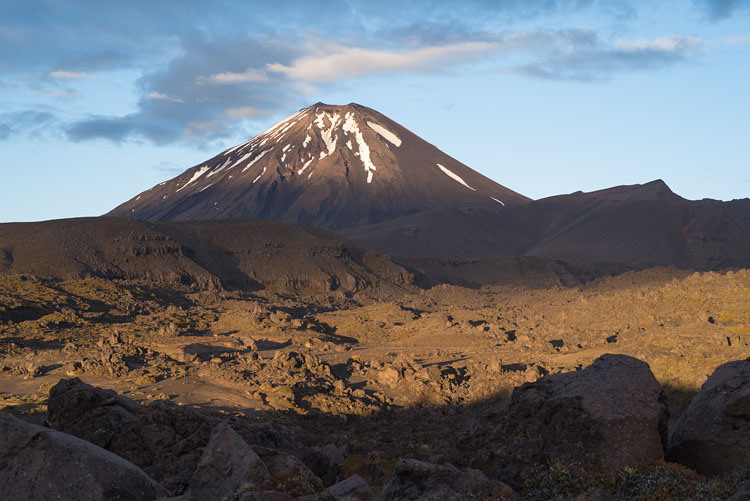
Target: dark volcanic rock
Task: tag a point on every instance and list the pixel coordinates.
(353, 488)
(612, 413)
(40, 463)
(228, 465)
(414, 479)
(164, 439)
(713, 434)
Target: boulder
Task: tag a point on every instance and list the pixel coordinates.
(289, 473)
(41, 463)
(413, 479)
(713, 434)
(227, 466)
(163, 439)
(353, 488)
(612, 413)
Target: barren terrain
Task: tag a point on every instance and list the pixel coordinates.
(404, 376)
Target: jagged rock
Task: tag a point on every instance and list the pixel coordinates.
(353, 488)
(713, 434)
(228, 465)
(388, 377)
(266, 496)
(36, 462)
(289, 472)
(163, 439)
(612, 413)
(414, 479)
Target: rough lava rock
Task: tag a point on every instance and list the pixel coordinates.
(228, 465)
(713, 434)
(612, 413)
(353, 488)
(413, 479)
(40, 463)
(164, 439)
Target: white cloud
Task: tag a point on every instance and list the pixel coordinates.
(69, 75)
(337, 62)
(249, 75)
(59, 93)
(669, 43)
(245, 112)
(165, 97)
(737, 40)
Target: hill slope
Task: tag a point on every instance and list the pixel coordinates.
(247, 254)
(638, 225)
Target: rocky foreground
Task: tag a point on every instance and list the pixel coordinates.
(607, 421)
(628, 387)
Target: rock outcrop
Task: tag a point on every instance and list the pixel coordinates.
(414, 479)
(353, 488)
(228, 465)
(164, 439)
(612, 413)
(713, 434)
(40, 463)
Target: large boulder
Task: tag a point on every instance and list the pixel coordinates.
(228, 466)
(612, 413)
(353, 488)
(163, 439)
(413, 479)
(40, 463)
(288, 472)
(713, 434)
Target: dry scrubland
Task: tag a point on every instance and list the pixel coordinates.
(371, 380)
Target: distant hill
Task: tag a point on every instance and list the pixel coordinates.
(249, 254)
(637, 225)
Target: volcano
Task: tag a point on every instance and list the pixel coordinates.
(331, 166)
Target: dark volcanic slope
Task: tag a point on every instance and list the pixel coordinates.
(239, 253)
(331, 166)
(639, 225)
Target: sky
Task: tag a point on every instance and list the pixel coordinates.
(100, 100)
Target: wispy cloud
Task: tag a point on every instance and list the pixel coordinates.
(215, 85)
(24, 122)
(158, 95)
(228, 77)
(336, 62)
(67, 93)
(600, 62)
(671, 43)
(168, 167)
(68, 75)
(717, 10)
(245, 112)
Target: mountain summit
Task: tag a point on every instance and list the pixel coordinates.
(330, 166)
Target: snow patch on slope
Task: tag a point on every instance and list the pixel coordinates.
(299, 172)
(350, 125)
(254, 160)
(390, 136)
(228, 152)
(498, 201)
(256, 179)
(454, 176)
(195, 177)
(327, 134)
(216, 171)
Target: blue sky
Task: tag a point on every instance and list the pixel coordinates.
(104, 99)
